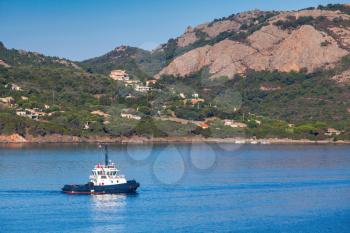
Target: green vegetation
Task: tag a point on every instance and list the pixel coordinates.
(80, 99)
(140, 64)
(321, 23)
(292, 22)
(311, 102)
(336, 7)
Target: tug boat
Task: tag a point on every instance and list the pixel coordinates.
(104, 179)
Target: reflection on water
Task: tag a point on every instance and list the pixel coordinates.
(107, 212)
(108, 202)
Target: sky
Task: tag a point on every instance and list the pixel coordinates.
(82, 29)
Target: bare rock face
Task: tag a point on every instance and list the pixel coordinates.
(215, 28)
(267, 37)
(187, 38)
(313, 13)
(343, 78)
(343, 36)
(221, 26)
(13, 138)
(224, 58)
(303, 49)
(188, 63)
(211, 30)
(228, 57)
(269, 48)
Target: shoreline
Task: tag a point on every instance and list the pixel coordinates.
(17, 139)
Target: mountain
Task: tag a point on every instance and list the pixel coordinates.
(139, 63)
(14, 57)
(304, 40)
(286, 41)
(282, 74)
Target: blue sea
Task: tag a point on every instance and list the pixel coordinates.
(184, 188)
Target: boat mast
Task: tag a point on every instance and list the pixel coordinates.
(106, 155)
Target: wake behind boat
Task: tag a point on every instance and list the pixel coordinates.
(104, 179)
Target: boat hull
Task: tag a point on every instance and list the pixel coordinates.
(91, 189)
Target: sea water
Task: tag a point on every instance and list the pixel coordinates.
(184, 188)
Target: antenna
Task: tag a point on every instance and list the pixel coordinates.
(106, 155)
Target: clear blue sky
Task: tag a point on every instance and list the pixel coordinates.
(80, 29)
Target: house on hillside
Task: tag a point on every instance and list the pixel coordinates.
(141, 88)
(9, 101)
(119, 75)
(33, 114)
(197, 100)
(151, 82)
(137, 85)
(332, 132)
(20, 112)
(234, 124)
(130, 113)
(131, 83)
(204, 126)
(14, 87)
(100, 113)
(195, 95)
(130, 96)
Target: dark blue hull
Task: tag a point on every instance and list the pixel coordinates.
(90, 188)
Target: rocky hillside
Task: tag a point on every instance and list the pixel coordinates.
(235, 69)
(305, 40)
(14, 57)
(139, 63)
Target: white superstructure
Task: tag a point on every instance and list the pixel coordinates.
(106, 175)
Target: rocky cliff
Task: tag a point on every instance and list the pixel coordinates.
(264, 41)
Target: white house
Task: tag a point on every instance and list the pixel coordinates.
(332, 132)
(15, 87)
(234, 124)
(100, 113)
(33, 114)
(151, 82)
(129, 113)
(7, 100)
(195, 95)
(119, 75)
(21, 113)
(131, 83)
(141, 88)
